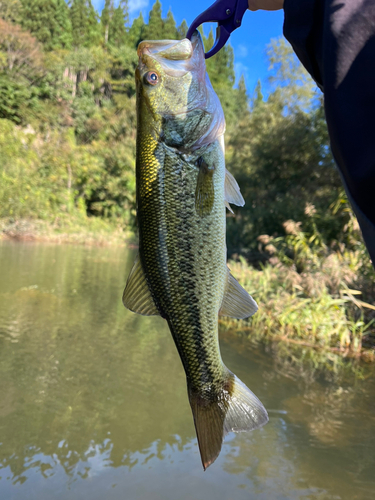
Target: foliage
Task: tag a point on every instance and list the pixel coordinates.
(136, 31)
(317, 308)
(155, 27)
(85, 26)
(280, 156)
(117, 34)
(48, 21)
(10, 10)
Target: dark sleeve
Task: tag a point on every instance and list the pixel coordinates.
(335, 41)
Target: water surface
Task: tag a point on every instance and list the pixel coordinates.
(93, 400)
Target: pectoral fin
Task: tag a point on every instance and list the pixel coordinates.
(237, 303)
(137, 296)
(205, 191)
(232, 192)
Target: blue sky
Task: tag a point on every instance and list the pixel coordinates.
(249, 41)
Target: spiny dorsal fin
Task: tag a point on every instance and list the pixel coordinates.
(232, 191)
(205, 191)
(137, 296)
(237, 303)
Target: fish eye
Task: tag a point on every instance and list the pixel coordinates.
(152, 78)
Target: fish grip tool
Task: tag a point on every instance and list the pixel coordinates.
(228, 14)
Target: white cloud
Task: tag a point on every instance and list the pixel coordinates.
(137, 5)
(134, 5)
(241, 51)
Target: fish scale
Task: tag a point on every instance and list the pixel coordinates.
(191, 249)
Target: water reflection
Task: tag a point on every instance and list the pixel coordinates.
(93, 399)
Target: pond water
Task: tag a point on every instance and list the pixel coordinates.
(93, 400)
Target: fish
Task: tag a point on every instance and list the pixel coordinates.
(180, 272)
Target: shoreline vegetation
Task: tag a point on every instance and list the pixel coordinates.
(67, 149)
(84, 231)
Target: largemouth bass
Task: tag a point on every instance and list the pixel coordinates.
(180, 271)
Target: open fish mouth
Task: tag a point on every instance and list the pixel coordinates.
(177, 57)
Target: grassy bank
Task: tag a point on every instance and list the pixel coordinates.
(325, 310)
(76, 230)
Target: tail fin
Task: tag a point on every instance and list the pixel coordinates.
(235, 408)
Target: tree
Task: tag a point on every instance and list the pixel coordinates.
(21, 64)
(241, 99)
(117, 34)
(280, 158)
(22, 54)
(137, 31)
(155, 27)
(85, 26)
(105, 19)
(170, 29)
(289, 77)
(10, 10)
(48, 21)
(182, 30)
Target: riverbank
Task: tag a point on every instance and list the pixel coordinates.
(328, 312)
(85, 230)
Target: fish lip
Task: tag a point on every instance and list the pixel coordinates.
(177, 50)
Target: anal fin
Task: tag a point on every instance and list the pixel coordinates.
(237, 303)
(137, 296)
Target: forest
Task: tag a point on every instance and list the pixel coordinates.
(67, 149)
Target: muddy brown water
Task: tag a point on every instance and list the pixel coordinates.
(93, 401)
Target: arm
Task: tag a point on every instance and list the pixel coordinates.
(266, 4)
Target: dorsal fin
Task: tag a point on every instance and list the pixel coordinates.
(237, 303)
(137, 296)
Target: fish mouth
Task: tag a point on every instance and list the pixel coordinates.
(167, 49)
(177, 57)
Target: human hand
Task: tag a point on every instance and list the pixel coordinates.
(265, 4)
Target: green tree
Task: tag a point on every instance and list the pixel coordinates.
(182, 30)
(280, 157)
(10, 10)
(118, 35)
(48, 21)
(241, 100)
(169, 28)
(258, 95)
(137, 31)
(105, 19)
(155, 27)
(85, 26)
(289, 77)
